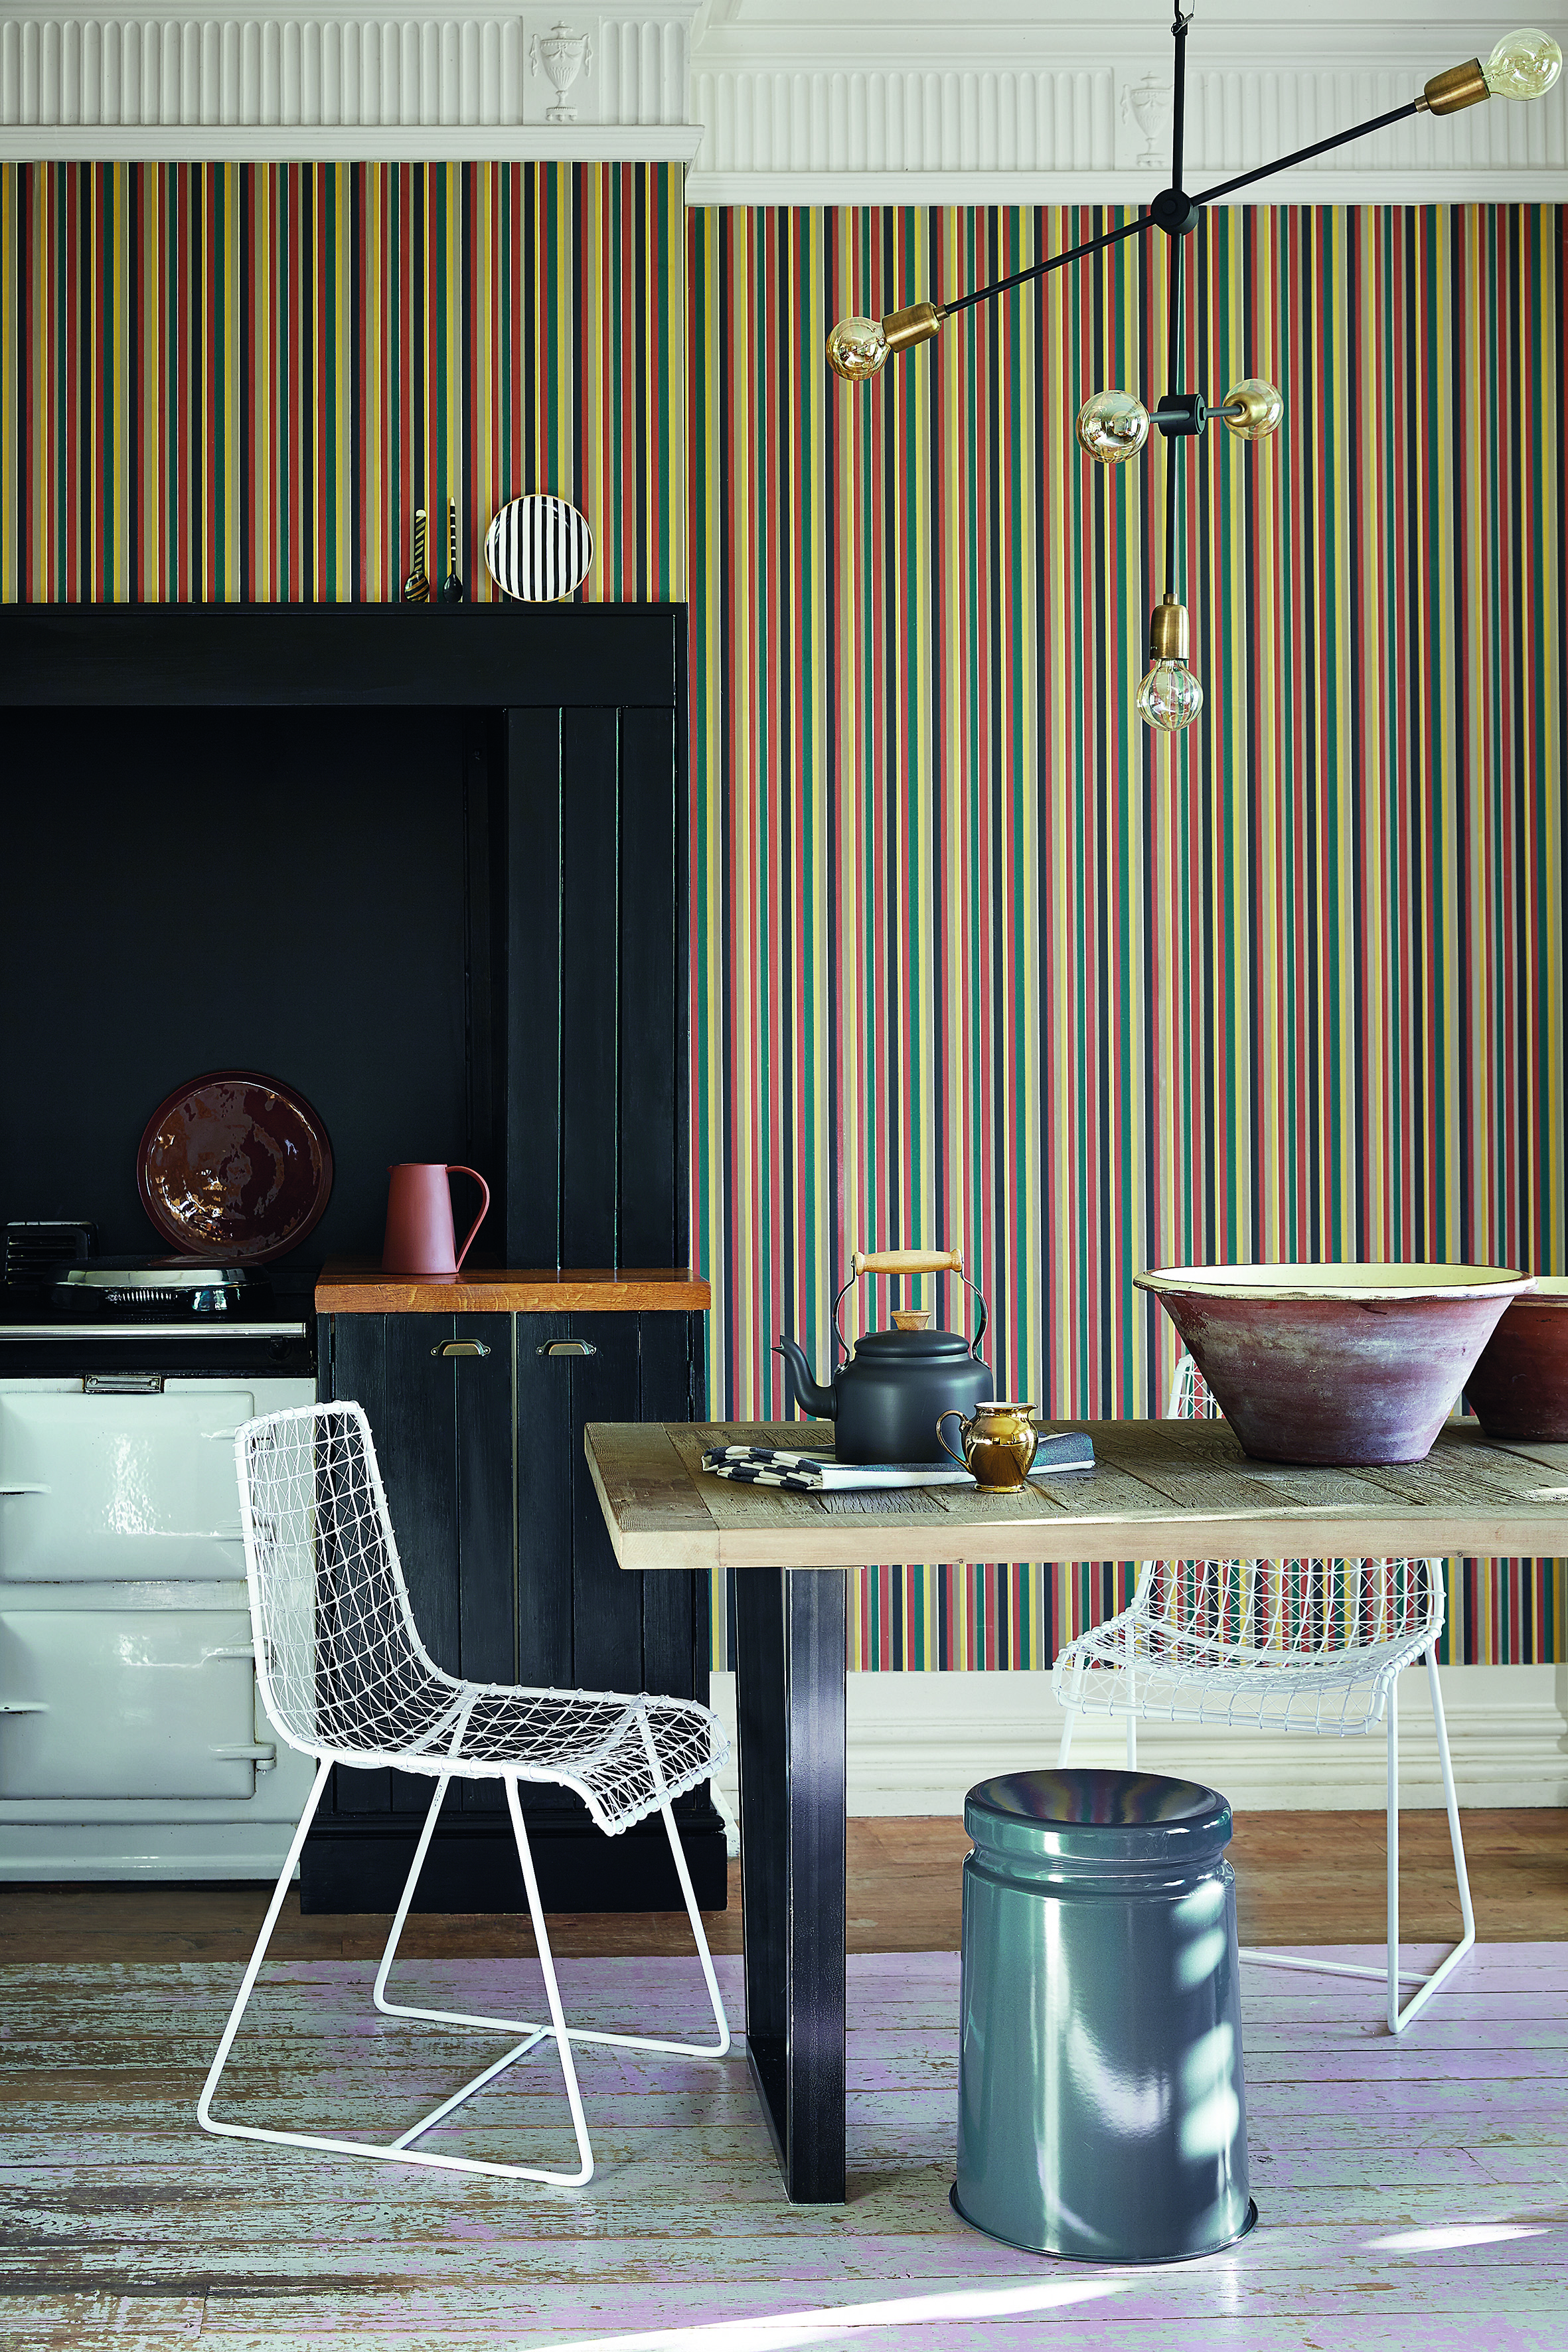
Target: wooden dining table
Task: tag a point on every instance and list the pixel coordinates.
(1160, 1489)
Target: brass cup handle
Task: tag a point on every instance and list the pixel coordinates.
(964, 1423)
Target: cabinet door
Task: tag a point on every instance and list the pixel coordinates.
(443, 1428)
(114, 1701)
(591, 1041)
(582, 1620)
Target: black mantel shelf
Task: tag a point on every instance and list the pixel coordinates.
(297, 654)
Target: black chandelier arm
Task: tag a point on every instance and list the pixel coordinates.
(1305, 154)
(1043, 268)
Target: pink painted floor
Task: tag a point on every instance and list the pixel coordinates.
(1413, 2193)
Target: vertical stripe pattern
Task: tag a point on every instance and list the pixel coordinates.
(984, 961)
(975, 958)
(223, 380)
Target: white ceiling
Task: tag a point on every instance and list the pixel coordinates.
(798, 100)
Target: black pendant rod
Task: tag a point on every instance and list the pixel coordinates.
(1174, 294)
(1304, 154)
(1055, 261)
(1146, 221)
(1179, 35)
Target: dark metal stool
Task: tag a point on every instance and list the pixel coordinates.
(1102, 2110)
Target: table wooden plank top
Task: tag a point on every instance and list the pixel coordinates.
(1161, 1489)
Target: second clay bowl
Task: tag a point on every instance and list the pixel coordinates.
(1519, 1388)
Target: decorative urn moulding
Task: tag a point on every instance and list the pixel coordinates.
(1336, 1364)
(564, 54)
(1114, 426)
(1519, 1388)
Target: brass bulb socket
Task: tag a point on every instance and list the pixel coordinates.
(1461, 85)
(918, 324)
(1168, 637)
(1251, 410)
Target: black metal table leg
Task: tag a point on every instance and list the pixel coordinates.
(789, 1694)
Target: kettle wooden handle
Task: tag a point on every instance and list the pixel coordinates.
(907, 1260)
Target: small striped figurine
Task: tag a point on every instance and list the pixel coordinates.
(416, 587)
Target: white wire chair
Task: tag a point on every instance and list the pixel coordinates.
(345, 1676)
(1285, 1646)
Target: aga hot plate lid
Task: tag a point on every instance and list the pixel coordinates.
(235, 1165)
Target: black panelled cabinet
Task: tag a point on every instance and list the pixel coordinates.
(551, 1003)
(479, 1421)
(577, 1082)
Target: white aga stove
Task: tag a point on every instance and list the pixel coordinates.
(132, 1743)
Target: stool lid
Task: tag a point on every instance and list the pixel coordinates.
(1087, 1814)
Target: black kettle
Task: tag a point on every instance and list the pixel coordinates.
(885, 1398)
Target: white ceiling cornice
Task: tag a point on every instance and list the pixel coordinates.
(796, 102)
(1024, 102)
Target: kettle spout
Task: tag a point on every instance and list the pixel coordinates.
(801, 1387)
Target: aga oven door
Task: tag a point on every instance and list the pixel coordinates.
(127, 1677)
(105, 1700)
(98, 1485)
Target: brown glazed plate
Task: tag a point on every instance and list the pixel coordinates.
(232, 1164)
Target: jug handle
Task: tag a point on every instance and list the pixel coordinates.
(964, 1426)
(453, 1167)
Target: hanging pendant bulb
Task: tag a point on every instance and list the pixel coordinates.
(858, 348)
(1170, 697)
(1523, 65)
(1112, 426)
(1252, 409)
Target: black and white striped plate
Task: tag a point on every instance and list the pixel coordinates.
(538, 548)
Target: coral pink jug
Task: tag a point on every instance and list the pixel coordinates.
(420, 1238)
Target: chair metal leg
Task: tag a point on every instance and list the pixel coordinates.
(1391, 1728)
(719, 2048)
(401, 2150)
(1446, 1966)
(1390, 1975)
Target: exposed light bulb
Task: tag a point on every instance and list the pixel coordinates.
(1252, 409)
(1169, 697)
(1112, 426)
(858, 348)
(1523, 65)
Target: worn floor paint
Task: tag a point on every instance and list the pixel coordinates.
(1413, 2193)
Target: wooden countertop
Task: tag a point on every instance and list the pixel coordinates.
(358, 1286)
(1161, 1490)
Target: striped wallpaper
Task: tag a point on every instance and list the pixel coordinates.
(975, 958)
(240, 379)
(985, 961)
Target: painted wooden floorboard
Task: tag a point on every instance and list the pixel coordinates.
(125, 2226)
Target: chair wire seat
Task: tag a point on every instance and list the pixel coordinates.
(345, 1677)
(1284, 1644)
(1278, 1645)
(344, 1673)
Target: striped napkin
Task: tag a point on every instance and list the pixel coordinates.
(819, 1474)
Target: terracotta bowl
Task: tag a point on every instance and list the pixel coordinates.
(1519, 1388)
(1336, 1363)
